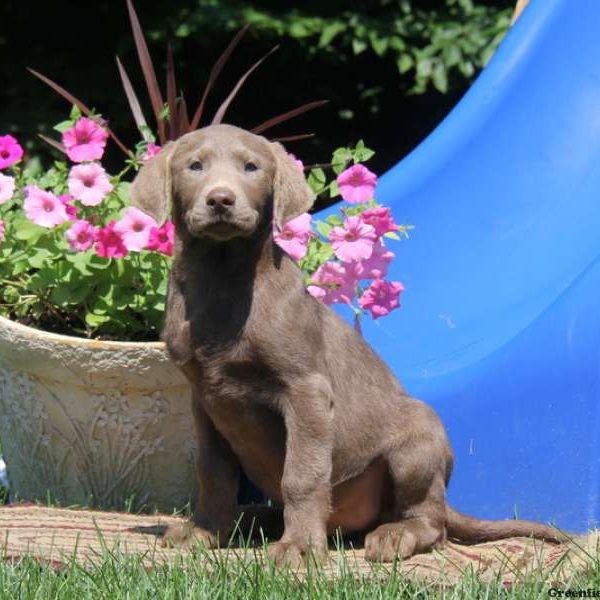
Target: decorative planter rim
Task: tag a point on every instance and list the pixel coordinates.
(73, 340)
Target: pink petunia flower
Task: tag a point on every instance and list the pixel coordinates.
(71, 209)
(374, 267)
(10, 151)
(81, 235)
(297, 161)
(44, 208)
(353, 241)
(7, 188)
(109, 243)
(89, 183)
(294, 236)
(357, 184)
(381, 297)
(134, 227)
(151, 150)
(2, 230)
(162, 239)
(85, 141)
(380, 218)
(317, 292)
(338, 284)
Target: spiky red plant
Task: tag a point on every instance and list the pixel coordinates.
(172, 119)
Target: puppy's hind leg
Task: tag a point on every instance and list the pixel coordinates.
(419, 466)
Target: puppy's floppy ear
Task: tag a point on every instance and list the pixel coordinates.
(150, 191)
(292, 195)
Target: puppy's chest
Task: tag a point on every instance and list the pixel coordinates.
(239, 375)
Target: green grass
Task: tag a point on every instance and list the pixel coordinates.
(115, 576)
(214, 577)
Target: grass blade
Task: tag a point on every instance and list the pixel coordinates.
(148, 70)
(86, 110)
(214, 73)
(286, 116)
(61, 91)
(294, 138)
(184, 119)
(173, 133)
(54, 143)
(218, 118)
(134, 103)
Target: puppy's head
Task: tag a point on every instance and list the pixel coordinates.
(222, 182)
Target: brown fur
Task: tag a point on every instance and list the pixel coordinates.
(282, 387)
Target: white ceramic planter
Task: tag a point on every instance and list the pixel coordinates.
(93, 422)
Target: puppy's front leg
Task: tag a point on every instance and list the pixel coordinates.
(306, 482)
(218, 473)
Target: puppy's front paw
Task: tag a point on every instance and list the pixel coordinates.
(296, 555)
(389, 542)
(187, 534)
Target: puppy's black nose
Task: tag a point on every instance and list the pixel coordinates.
(220, 199)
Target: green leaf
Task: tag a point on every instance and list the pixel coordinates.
(81, 262)
(98, 263)
(28, 231)
(323, 228)
(324, 254)
(358, 46)
(452, 55)
(379, 45)
(298, 29)
(340, 159)
(397, 43)
(334, 189)
(61, 295)
(96, 320)
(75, 113)
(467, 68)
(317, 180)
(183, 30)
(362, 153)
(405, 62)
(440, 77)
(330, 32)
(424, 67)
(122, 192)
(63, 126)
(79, 294)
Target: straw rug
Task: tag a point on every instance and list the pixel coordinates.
(56, 536)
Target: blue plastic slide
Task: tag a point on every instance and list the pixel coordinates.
(500, 324)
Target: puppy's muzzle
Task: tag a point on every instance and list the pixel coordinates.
(220, 200)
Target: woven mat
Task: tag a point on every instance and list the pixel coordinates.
(56, 536)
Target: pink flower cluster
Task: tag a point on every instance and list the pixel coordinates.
(362, 254)
(359, 251)
(89, 184)
(7, 188)
(10, 151)
(10, 154)
(134, 232)
(294, 236)
(357, 184)
(151, 150)
(85, 141)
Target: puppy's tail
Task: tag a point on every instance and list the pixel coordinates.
(469, 530)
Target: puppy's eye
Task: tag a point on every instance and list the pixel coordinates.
(250, 167)
(196, 166)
